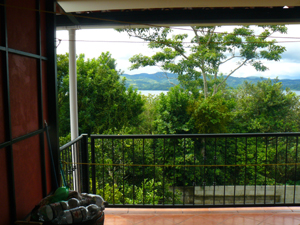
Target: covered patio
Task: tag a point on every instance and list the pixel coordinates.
(28, 98)
(163, 13)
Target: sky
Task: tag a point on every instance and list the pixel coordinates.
(92, 42)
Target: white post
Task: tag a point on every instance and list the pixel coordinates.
(73, 102)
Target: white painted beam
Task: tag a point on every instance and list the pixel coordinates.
(73, 104)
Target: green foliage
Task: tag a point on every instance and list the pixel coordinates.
(264, 107)
(103, 101)
(110, 194)
(211, 115)
(148, 192)
(198, 67)
(64, 139)
(148, 116)
(172, 114)
(128, 185)
(63, 97)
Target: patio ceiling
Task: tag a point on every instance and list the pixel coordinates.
(142, 13)
(95, 5)
(179, 17)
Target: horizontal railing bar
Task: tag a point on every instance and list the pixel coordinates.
(150, 136)
(21, 138)
(71, 142)
(181, 165)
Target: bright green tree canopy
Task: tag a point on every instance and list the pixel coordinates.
(197, 60)
(103, 101)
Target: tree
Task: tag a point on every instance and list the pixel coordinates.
(172, 114)
(265, 107)
(198, 63)
(103, 101)
(63, 95)
(213, 114)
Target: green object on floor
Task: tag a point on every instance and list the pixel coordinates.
(61, 194)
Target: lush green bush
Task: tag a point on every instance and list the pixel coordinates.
(106, 107)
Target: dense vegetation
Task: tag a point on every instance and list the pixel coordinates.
(103, 102)
(193, 106)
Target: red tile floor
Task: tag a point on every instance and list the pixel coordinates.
(207, 216)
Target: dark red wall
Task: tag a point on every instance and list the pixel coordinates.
(4, 205)
(23, 76)
(23, 94)
(28, 179)
(21, 21)
(2, 118)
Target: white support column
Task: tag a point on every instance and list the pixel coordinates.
(73, 103)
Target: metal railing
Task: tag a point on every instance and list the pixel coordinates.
(196, 170)
(75, 174)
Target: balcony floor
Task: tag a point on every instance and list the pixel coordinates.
(207, 216)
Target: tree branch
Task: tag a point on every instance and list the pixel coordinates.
(215, 85)
(228, 59)
(169, 79)
(180, 52)
(202, 67)
(210, 36)
(230, 74)
(196, 34)
(166, 75)
(165, 43)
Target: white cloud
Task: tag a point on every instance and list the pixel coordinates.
(89, 43)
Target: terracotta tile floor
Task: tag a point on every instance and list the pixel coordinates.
(207, 216)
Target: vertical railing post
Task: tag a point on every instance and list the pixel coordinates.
(84, 168)
(93, 166)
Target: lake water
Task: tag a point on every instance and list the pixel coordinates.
(152, 92)
(157, 92)
(297, 92)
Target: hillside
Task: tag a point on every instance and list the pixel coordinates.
(159, 81)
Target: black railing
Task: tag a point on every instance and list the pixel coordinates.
(75, 166)
(197, 170)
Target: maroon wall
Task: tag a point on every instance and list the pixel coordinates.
(21, 21)
(23, 74)
(2, 112)
(28, 179)
(23, 94)
(4, 189)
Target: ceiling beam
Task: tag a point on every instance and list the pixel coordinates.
(94, 5)
(179, 17)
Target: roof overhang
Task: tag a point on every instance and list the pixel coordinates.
(95, 5)
(89, 14)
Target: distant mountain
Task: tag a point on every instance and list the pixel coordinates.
(162, 81)
(286, 83)
(145, 81)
